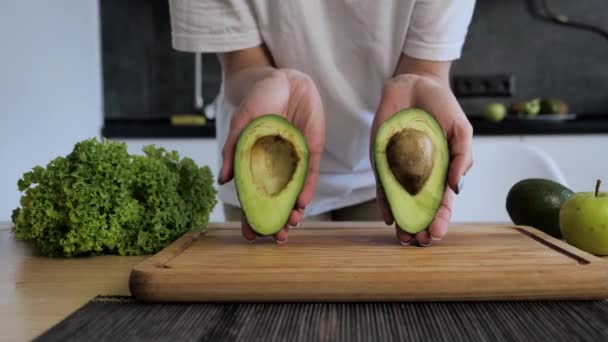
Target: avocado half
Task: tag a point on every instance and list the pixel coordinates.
(411, 159)
(270, 167)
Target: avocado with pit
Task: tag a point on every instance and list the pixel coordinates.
(536, 202)
(270, 168)
(411, 160)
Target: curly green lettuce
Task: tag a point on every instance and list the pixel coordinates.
(99, 199)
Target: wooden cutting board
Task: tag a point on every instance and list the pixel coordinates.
(364, 262)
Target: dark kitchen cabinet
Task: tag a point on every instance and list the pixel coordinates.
(146, 81)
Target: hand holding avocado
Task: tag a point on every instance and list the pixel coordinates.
(416, 154)
(293, 97)
(421, 204)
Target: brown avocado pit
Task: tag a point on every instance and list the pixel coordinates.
(273, 163)
(410, 155)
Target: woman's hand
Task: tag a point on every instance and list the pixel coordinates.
(293, 95)
(435, 97)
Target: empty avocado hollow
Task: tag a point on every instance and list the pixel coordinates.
(273, 163)
(411, 159)
(270, 168)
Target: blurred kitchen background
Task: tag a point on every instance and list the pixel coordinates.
(72, 69)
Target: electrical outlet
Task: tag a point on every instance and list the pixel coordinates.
(484, 85)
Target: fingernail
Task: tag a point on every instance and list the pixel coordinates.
(297, 224)
(435, 238)
(280, 242)
(406, 243)
(460, 185)
(424, 244)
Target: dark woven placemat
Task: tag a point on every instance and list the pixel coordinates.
(123, 319)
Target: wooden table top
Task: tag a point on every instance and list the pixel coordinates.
(37, 292)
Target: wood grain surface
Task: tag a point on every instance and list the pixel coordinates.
(364, 262)
(37, 292)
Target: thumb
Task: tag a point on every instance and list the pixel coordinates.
(226, 173)
(458, 168)
(237, 125)
(383, 206)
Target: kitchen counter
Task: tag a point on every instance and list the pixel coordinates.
(37, 292)
(590, 124)
(121, 128)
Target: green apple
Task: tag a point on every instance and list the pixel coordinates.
(495, 111)
(583, 221)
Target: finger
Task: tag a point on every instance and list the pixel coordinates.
(424, 238)
(281, 236)
(461, 154)
(383, 205)
(404, 237)
(246, 230)
(295, 217)
(313, 128)
(226, 173)
(237, 124)
(439, 226)
(310, 184)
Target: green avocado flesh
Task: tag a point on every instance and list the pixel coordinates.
(536, 202)
(270, 167)
(411, 159)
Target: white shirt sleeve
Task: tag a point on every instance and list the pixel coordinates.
(213, 25)
(438, 29)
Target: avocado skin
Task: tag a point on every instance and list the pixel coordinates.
(536, 202)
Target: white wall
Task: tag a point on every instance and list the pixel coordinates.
(575, 161)
(50, 85)
(582, 158)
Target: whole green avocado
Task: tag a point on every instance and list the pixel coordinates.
(536, 202)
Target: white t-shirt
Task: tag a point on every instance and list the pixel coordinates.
(348, 47)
